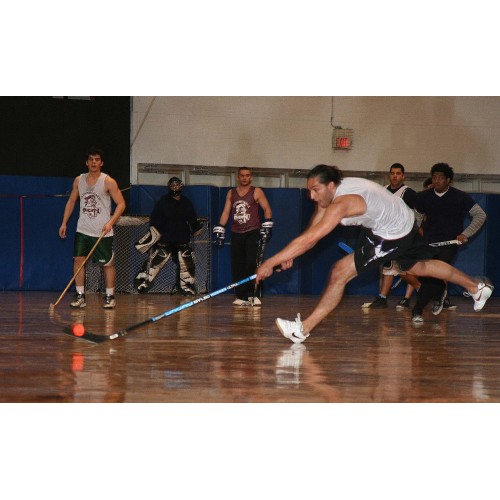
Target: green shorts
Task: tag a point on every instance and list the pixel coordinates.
(103, 254)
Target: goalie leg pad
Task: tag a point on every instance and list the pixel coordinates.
(148, 240)
(156, 261)
(187, 269)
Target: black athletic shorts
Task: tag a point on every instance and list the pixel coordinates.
(373, 251)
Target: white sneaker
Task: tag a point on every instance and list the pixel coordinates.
(239, 302)
(485, 289)
(292, 330)
(254, 301)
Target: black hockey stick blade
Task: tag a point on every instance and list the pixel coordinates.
(97, 339)
(91, 337)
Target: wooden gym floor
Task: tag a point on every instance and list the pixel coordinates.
(216, 352)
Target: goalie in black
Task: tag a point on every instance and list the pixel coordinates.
(172, 223)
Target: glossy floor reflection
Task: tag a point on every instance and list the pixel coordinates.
(215, 352)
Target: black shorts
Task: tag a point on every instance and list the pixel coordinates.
(373, 251)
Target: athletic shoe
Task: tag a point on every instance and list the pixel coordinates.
(379, 303)
(485, 289)
(292, 330)
(417, 318)
(254, 301)
(79, 300)
(438, 305)
(448, 305)
(187, 291)
(109, 302)
(240, 302)
(403, 304)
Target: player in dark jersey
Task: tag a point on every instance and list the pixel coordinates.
(172, 222)
(242, 206)
(445, 209)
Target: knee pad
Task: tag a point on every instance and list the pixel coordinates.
(186, 267)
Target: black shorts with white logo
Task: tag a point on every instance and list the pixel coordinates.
(373, 251)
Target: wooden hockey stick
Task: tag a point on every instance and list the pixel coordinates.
(52, 306)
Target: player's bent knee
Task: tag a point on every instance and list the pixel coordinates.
(111, 262)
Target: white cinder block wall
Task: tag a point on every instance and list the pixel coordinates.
(296, 132)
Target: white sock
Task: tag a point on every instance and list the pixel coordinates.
(80, 289)
(110, 291)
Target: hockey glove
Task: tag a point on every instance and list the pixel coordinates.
(220, 235)
(266, 230)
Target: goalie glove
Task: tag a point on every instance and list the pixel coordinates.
(220, 235)
(266, 230)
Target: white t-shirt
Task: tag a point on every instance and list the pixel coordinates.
(388, 216)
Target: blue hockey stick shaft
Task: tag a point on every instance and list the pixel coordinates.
(345, 247)
(202, 299)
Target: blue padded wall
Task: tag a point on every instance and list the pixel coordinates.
(36, 205)
(492, 241)
(11, 253)
(48, 260)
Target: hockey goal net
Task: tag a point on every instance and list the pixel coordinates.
(128, 261)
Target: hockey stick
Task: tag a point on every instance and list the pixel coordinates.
(348, 249)
(396, 284)
(445, 243)
(52, 306)
(97, 339)
(345, 247)
(260, 258)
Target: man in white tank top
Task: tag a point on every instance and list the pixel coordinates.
(95, 191)
(394, 236)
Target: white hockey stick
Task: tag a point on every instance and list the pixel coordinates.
(445, 243)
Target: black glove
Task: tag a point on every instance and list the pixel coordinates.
(220, 235)
(266, 230)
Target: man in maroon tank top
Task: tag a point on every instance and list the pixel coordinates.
(242, 206)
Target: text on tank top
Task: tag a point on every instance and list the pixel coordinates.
(95, 207)
(245, 211)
